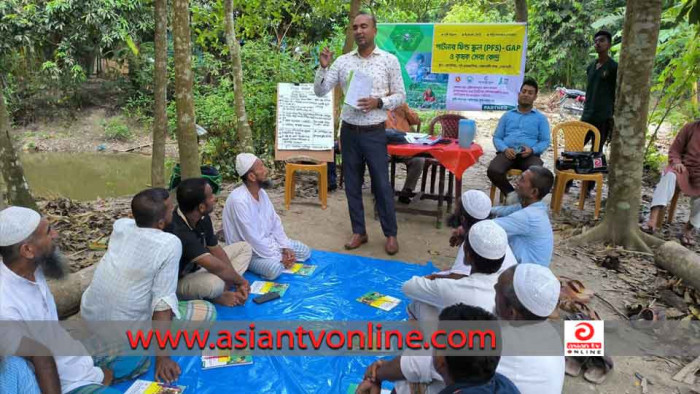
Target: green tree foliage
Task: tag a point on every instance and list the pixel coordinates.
(49, 47)
(560, 38)
(678, 72)
(480, 12)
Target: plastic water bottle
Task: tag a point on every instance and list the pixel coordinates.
(467, 131)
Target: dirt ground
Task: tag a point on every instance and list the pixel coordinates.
(420, 241)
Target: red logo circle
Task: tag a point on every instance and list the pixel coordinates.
(585, 332)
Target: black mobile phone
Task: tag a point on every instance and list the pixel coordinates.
(266, 297)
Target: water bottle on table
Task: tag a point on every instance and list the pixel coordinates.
(467, 131)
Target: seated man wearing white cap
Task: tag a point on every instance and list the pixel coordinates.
(475, 374)
(29, 251)
(527, 223)
(530, 292)
(525, 292)
(249, 216)
(484, 251)
(475, 206)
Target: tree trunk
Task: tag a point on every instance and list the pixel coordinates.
(349, 43)
(639, 38)
(244, 133)
(521, 11)
(184, 80)
(679, 261)
(12, 171)
(68, 291)
(160, 78)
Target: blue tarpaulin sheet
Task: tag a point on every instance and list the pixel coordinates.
(330, 293)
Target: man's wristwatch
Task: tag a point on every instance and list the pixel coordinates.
(380, 103)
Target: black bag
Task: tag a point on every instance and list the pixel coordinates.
(583, 162)
(394, 137)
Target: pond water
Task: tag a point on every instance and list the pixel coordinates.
(86, 176)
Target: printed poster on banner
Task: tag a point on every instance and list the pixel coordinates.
(584, 338)
(485, 73)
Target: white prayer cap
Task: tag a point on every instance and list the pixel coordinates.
(476, 203)
(536, 288)
(17, 224)
(244, 161)
(488, 240)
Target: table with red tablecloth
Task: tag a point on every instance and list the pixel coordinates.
(451, 157)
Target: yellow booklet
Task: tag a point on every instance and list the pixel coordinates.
(378, 300)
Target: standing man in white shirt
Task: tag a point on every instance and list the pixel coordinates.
(362, 134)
(28, 249)
(136, 280)
(250, 217)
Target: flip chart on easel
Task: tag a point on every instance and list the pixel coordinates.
(304, 122)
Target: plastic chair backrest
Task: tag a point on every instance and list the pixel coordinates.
(449, 124)
(574, 137)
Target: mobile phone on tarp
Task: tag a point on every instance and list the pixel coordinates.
(266, 297)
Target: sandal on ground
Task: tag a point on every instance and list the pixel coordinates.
(647, 229)
(579, 310)
(573, 289)
(574, 365)
(687, 240)
(648, 317)
(597, 369)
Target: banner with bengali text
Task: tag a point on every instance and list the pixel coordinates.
(463, 67)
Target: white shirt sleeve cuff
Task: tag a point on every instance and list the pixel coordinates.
(167, 302)
(417, 369)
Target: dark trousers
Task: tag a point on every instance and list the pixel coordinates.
(332, 175)
(605, 127)
(501, 164)
(368, 145)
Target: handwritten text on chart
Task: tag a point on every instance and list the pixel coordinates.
(304, 121)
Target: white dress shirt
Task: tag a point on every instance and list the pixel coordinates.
(137, 275)
(534, 374)
(22, 300)
(255, 222)
(530, 374)
(476, 290)
(387, 83)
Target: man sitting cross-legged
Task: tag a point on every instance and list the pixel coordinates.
(207, 271)
(528, 293)
(472, 374)
(29, 255)
(484, 250)
(136, 279)
(475, 206)
(249, 216)
(521, 136)
(527, 224)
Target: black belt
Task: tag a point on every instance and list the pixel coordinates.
(371, 127)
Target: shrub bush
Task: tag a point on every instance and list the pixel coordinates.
(116, 130)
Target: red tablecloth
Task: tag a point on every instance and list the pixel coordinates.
(454, 158)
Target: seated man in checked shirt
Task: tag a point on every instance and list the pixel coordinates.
(136, 279)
